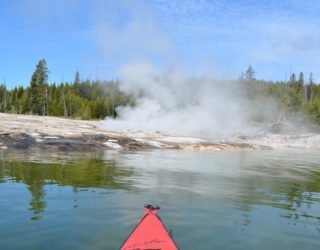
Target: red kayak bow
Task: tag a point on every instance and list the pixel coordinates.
(150, 233)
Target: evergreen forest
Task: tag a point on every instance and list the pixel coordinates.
(87, 99)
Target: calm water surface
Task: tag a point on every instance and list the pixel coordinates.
(216, 200)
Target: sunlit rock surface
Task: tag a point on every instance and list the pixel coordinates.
(25, 131)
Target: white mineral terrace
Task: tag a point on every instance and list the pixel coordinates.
(52, 129)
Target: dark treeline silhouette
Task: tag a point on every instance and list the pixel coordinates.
(87, 99)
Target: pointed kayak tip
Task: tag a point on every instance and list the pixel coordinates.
(151, 207)
(150, 233)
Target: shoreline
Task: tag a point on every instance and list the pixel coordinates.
(27, 131)
(45, 132)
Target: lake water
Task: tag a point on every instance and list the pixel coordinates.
(211, 200)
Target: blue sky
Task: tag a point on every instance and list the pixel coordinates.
(199, 37)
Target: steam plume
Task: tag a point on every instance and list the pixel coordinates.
(168, 101)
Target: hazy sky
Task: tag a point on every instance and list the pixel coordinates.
(213, 38)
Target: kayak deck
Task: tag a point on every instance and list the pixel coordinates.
(150, 233)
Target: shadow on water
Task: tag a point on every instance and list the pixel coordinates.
(80, 174)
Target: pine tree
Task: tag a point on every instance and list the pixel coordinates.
(250, 74)
(77, 79)
(5, 103)
(38, 89)
(293, 80)
(300, 82)
(24, 103)
(311, 87)
(65, 111)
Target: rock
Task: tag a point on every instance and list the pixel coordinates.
(67, 134)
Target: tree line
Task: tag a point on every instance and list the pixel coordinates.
(88, 99)
(295, 95)
(83, 99)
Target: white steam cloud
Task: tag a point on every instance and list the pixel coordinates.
(172, 100)
(167, 101)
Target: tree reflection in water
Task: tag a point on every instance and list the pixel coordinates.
(82, 173)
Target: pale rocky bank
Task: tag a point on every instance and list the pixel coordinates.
(26, 131)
